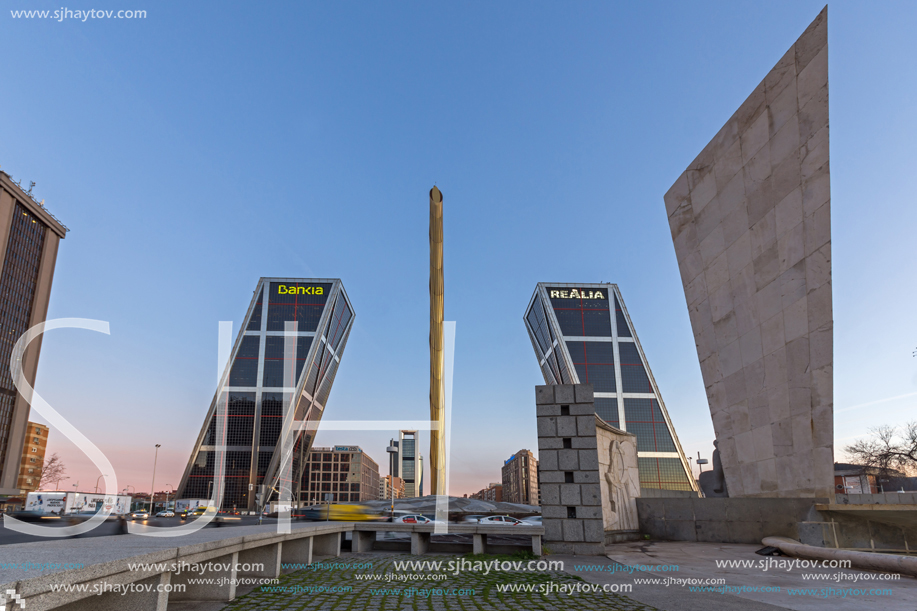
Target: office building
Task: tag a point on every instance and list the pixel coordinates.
(493, 492)
(33, 457)
(279, 373)
(406, 463)
(345, 472)
(520, 478)
(385, 487)
(29, 238)
(583, 334)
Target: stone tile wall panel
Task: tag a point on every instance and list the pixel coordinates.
(751, 225)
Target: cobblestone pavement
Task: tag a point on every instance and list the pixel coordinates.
(338, 588)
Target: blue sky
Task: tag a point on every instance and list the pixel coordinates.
(210, 144)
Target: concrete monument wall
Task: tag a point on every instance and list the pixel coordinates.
(587, 470)
(750, 220)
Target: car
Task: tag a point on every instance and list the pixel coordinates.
(501, 521)
(309, 513)
(33, 516)
(140, 514)
(471, 519)
(194, 513)
(166, 514)
(412, 519)
(533, 521)
(347, 513)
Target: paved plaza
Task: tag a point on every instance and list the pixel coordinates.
(339, 588)
(341, 584)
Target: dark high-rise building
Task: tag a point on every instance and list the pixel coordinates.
(280, 371)
(582, 334)
(407, 465)
(29, 237)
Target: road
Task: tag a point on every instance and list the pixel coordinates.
(112, 527)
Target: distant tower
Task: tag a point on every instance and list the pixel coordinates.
(437, 388)
(582, 334)
(406, 464)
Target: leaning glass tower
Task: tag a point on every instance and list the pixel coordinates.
(582, 334)
(279, 374)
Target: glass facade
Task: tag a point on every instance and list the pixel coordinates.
(269, 368)
(582, 335)
(17, 294)
(406, 459)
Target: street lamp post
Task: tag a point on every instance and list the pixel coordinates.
(172, 491)
(131, 504)
(392, 450)
(153, 485)
(97, 481)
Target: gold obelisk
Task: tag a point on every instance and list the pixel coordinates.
(437, 388)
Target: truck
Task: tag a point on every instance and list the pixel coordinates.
(68, 503)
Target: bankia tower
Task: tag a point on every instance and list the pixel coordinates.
(279, 374)
(582, 334)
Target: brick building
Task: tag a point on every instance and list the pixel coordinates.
(520, 478)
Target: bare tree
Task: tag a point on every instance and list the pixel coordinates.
(52, 471)
(889, 448)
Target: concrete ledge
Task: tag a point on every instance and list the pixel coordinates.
(297, 551)
(224, 590)
(327, 544)
(889, 563)
(363, 540)
(467, 529)
(724, 520)
(420, 541)
(266, 546)
(268, 556)
(115, 601)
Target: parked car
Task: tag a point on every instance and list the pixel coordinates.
(140, 514)
(501, 521)
(412, 519)
(166, 514)
(416, 519)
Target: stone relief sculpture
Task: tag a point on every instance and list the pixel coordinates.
(622, 490)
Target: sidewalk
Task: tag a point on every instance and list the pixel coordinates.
(698, 561)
